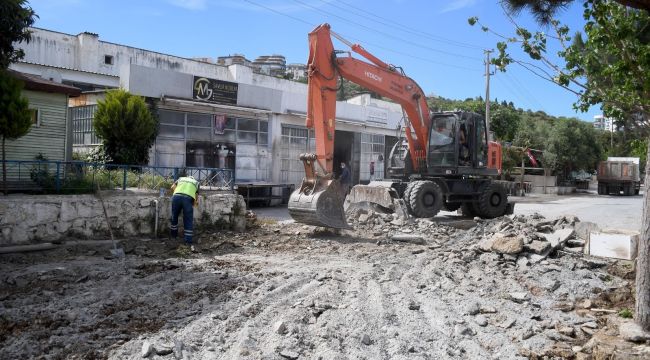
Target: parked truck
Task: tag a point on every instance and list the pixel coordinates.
(619, 175)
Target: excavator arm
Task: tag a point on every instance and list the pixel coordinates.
(319, 200)
(324, 68)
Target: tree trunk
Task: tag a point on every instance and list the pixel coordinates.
(642, 313)
(4, 168)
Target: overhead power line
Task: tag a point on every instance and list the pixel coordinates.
(406, 41)
(364, 13)
(365, 42)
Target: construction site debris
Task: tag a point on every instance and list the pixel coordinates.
(283, 290)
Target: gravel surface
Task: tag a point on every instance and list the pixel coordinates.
(288, 291)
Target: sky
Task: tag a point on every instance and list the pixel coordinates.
(430, 40)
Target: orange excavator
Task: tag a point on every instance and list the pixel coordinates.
(445, 160)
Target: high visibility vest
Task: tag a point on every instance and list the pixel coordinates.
(187, 186)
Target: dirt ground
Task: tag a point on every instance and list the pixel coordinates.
(288, 291)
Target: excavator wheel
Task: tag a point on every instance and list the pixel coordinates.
(492, 201)
(407, 196)
(425, 199)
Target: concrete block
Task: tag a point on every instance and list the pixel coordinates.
(613, 243)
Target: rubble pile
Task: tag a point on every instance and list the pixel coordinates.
(392, 226)
(532, 237)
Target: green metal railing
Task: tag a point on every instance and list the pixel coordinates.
(83, 177)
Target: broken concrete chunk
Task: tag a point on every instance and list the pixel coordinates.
(519, 297)
(486, 244)
(507, 323)
(566, 330)
(409, 238)
(539, 247)
(631, 331)
(522, 262)
(147, 349)
(280, 327)
(507, 244)
(291, 355)
(528, 333)
(559, 237)
(488, 310)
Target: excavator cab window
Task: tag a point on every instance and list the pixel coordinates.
(464, 143)
(481, 141)
(442, 144)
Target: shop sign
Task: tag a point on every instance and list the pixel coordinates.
(377, 116)
(216, 91)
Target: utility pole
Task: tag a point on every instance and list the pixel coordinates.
(487, 91)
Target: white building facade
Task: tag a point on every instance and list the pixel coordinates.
(213, 115)
(603, 123)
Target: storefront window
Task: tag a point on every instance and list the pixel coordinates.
(171, 117)
(202, 120)
(169, 131)
(240, 143)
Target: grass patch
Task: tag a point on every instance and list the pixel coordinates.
(183, 251)
(626, 313)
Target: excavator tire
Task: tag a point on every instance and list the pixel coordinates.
(407, 196)
(425, 199)
(452, 206)
(493, 201)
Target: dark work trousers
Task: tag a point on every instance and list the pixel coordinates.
(184, 203)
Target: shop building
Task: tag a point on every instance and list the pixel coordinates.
(213, 115)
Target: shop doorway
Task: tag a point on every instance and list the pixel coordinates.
(343, 150)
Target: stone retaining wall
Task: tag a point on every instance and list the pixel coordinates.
(34, 218)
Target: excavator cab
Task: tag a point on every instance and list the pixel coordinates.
(457, 144)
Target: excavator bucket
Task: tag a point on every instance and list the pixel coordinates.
(319, 206)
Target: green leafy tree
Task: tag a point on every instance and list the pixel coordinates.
(126, 127)
(638, 148)
(575, 146)
(15, 116)
(504, 122)
(609, 67)
(15, 19)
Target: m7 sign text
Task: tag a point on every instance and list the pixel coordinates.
(216, 91)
